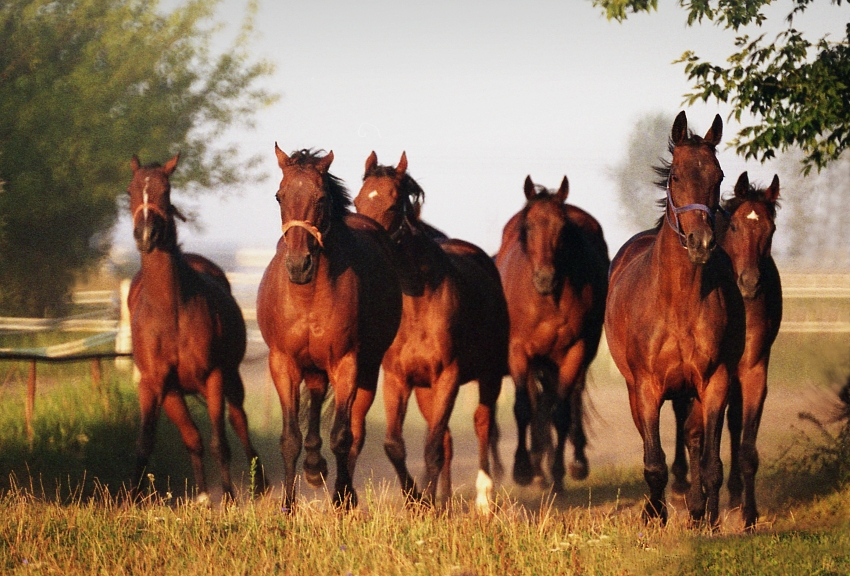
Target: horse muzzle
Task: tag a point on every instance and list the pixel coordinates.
(147, 235)
(544, 280)
(700, 244)
(300, 270)
(749, 283)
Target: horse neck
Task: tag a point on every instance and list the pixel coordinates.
(423, 261)
(160, 280)
(674, 269)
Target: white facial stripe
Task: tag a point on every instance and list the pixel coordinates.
(752, 216)
(145, 197)
(373, 194)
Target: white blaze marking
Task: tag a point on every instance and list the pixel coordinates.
(372, 194)
(145, 198)
(752, 216)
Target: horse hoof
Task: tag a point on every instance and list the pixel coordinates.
(578, 470)
(345, 500)
(523, 474)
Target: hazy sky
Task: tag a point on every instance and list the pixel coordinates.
(478, 93)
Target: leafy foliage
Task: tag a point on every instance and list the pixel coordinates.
(84, 85)
(797, 90)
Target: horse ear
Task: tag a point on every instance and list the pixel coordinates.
(742, 186)
(371, 162)
(564, 190)
(715, 132)
(134, 163)
(171, 165)
(282, 158)
(680, 128)
(324, 163)
(772, 192)
(402, 164)
(529, 188)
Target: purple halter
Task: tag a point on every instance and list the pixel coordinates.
(674, 224)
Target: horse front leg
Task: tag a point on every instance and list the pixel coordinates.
(436, 404)
(735, 415)
(645, 402)
(693, 430)
(754, 392)
(287, 379)
(149, 405)
(522, 472)
(315, 465)
(714, 399)
(572, 378)
(396, 397)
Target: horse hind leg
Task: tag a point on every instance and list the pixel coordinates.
(579, 467)
(315, 465)
(235, 396)
(489, 388)
(681, 409)
(218, 443)
(177, 411)
(522, 471)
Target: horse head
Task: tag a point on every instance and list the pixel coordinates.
(389, 195)
(543, 221)
(150, 204)
(310, 199)
(746, 234)
(693, 187)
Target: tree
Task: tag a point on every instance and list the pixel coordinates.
(84, 85)
(797, 91)
(635, 177)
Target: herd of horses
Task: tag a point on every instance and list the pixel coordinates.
(690, 310)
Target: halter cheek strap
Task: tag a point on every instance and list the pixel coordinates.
(307, 225)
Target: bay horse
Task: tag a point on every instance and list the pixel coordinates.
(553, 262)
(188, 334)
(454, 329)
(745, 229)
(328, 306)
(674, 321)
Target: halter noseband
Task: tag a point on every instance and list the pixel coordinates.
(674, 224)
(146, 206)
(307, 225)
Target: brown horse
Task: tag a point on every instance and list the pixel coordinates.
(554, 264)
(675, 321)
(188, 333)
(454, 329)
(328, 307)
(745, 231)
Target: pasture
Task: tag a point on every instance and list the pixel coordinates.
(61, 508)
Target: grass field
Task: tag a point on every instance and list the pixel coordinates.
(61, 506)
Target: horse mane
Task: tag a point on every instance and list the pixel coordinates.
(408, 188)
(333, 186)
(754, 193)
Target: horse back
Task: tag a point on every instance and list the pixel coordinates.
(485, 324)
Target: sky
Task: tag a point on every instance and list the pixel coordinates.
(479, 93)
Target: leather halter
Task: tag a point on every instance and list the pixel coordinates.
(307, 225)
